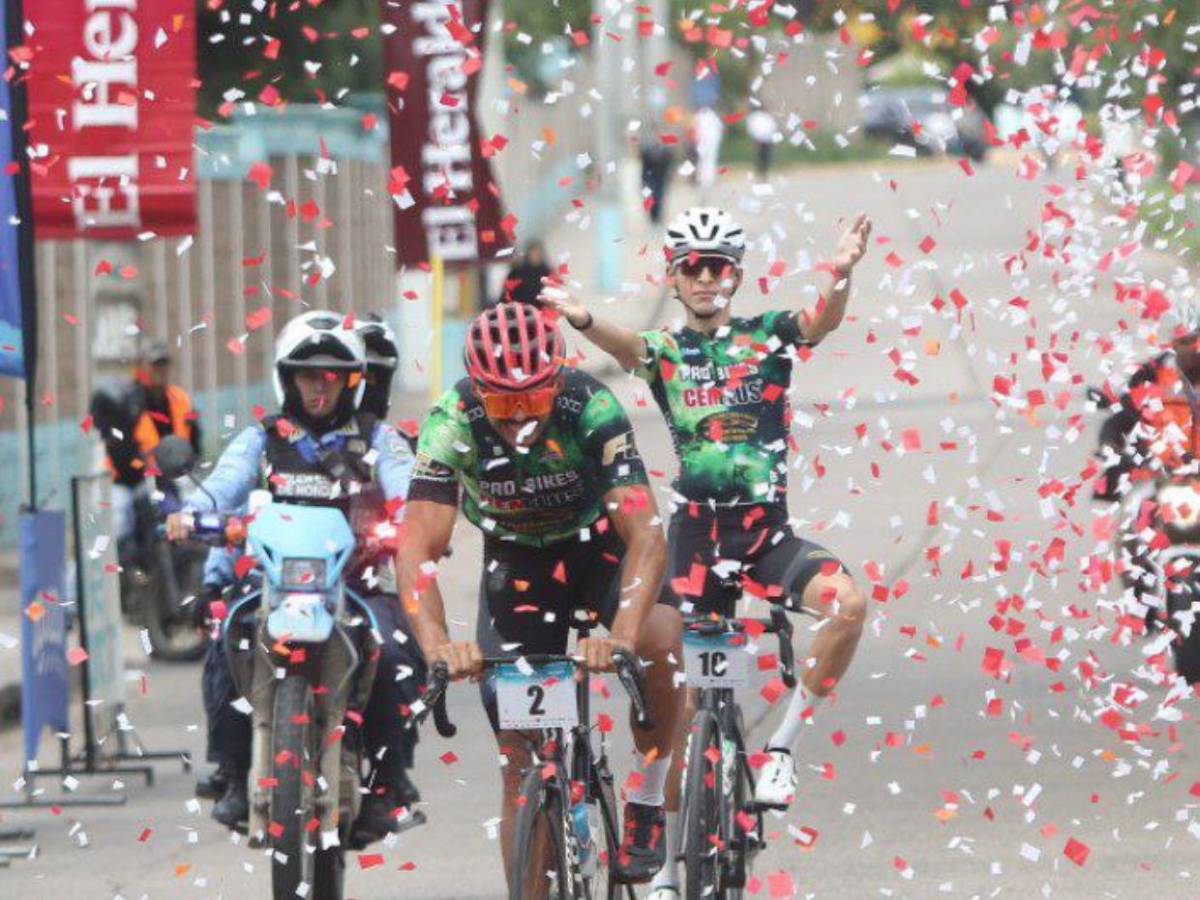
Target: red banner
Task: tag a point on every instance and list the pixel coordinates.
(111, 110)
(447, 201)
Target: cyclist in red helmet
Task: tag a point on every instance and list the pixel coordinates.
(549, 471)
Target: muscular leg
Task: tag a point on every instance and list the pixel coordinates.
(658, 643)
(843, 609)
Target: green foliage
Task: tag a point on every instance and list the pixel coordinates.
(738, 149)
(541, 21)
(231, 53)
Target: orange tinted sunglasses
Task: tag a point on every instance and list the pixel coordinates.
(506, 404)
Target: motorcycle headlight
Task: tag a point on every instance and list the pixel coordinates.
(303, 575)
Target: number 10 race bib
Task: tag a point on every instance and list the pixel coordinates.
(716, 660)
(544, 698)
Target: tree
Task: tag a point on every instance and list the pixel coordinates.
(302, 51)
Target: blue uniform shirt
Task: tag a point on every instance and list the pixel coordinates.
(239, 471)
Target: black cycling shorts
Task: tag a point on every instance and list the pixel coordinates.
(717, 555)
(530, 597)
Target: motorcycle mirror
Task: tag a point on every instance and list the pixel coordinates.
(174, 456)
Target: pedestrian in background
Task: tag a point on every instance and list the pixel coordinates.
(656, 160)
(761, 127)
(524, 280)
(709, 131)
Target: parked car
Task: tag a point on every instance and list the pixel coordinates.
(923, 118)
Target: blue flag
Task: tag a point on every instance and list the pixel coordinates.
(18, 305)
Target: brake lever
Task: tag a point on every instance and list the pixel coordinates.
(787, 653)
(434, 699)
(629, 672)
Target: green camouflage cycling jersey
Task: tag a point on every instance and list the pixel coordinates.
(725, 399)
(549, 493)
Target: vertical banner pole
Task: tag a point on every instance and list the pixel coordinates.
(437, 310)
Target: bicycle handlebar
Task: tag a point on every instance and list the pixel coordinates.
(779, 624)
(627, 666)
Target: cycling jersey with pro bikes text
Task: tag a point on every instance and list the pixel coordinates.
(548, 492)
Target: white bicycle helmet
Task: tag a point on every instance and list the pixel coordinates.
(318, 339)
(707, 231)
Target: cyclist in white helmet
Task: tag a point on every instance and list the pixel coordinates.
(722, 383)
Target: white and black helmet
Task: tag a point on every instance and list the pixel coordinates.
(379, 341)
(323, 340)
(707, 231)
(383, 358)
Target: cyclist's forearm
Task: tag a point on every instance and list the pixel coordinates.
(427, 613)
(831, 308)
(622, 344)
(641, 582)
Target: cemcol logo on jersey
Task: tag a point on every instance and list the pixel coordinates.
(743, 394)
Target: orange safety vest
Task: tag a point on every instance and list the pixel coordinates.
(145, 429)
(1177, 430)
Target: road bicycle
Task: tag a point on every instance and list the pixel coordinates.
(722, 825)
(567, 828)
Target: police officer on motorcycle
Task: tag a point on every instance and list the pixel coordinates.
(322, 449)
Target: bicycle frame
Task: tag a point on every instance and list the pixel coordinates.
(720, 705)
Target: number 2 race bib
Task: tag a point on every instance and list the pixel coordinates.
(543, 698)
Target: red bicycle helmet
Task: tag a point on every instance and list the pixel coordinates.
(513, 347)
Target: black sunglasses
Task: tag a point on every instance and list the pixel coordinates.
(717, 265)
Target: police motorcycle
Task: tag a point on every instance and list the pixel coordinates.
(303, 657)
(1158, 539)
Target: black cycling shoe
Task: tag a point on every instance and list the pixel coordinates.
(233, 808)
(407, 793)
(643, 849)
(213, 785)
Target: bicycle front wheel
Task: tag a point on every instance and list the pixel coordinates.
(602, 884)
(701, 813)
(539, 866)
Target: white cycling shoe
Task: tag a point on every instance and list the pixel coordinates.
(776, 784)
(665, 892)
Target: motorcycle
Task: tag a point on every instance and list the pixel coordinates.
(1158, 533)
(302, 650)
(158, 579)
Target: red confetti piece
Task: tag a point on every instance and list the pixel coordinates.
(449, 758)
(779, 884)
(76, 655)
(370, 860)
(260, 173)
(1076, 851)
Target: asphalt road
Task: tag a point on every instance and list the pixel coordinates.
(940, 769)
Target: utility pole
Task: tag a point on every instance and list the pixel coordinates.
(607, 120)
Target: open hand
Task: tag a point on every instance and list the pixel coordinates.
(555, 296)
(852, 244)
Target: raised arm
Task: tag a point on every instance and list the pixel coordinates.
(831, 308)
(623, 344)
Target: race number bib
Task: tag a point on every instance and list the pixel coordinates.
(716, 660)
(543, 697)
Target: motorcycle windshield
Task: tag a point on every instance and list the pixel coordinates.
(283, 531)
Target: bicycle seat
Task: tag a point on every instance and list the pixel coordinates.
(708, 626)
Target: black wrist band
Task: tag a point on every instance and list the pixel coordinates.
(590, 322)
